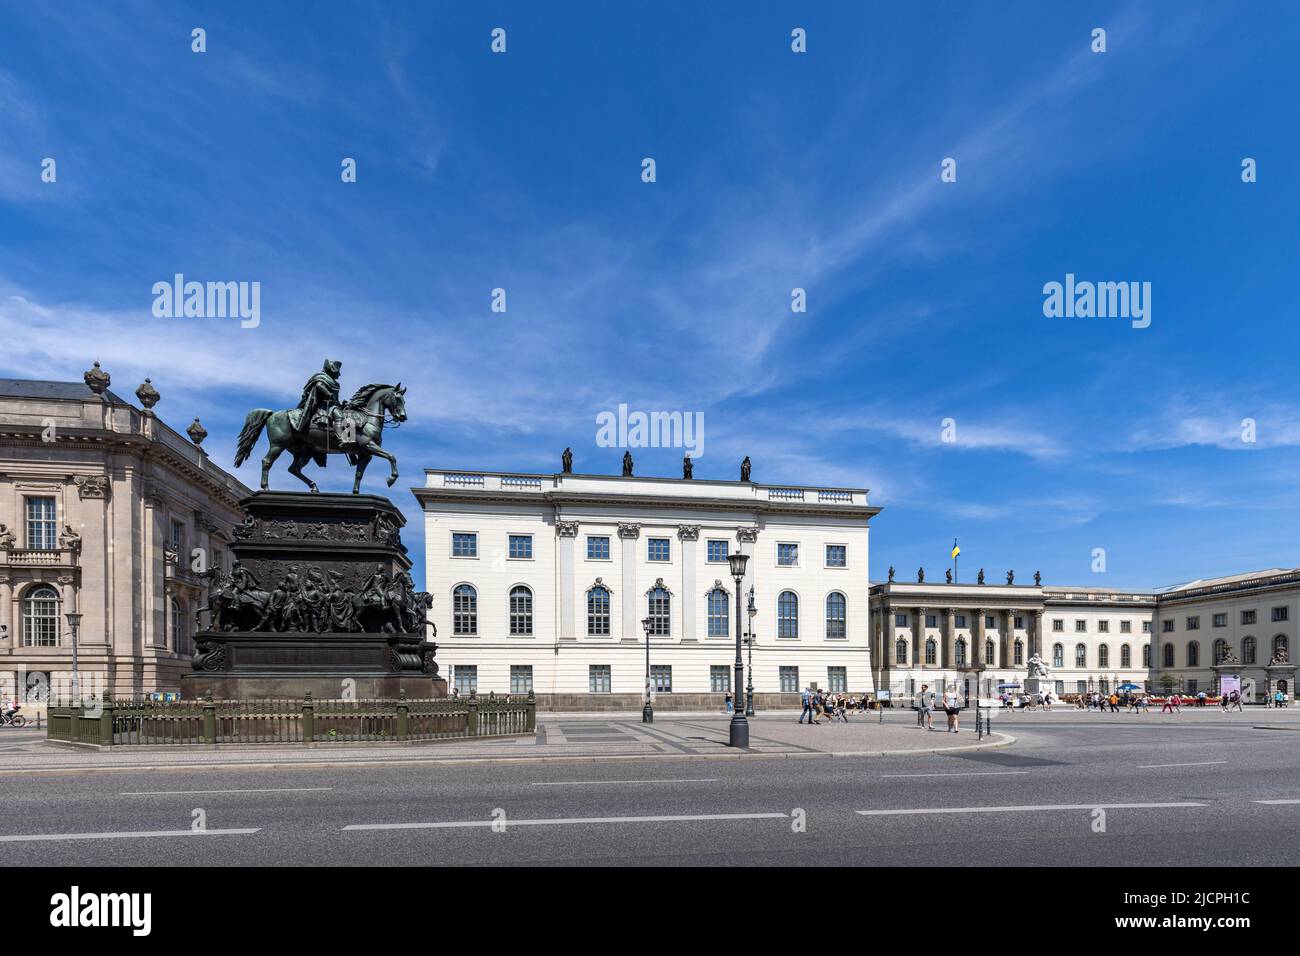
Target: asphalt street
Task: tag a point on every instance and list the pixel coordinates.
(1072, 789)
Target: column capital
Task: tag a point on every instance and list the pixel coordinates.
(629, 530)
(566, 529)
(746, 535)
(688, 532)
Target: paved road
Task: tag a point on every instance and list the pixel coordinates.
(1173, 791)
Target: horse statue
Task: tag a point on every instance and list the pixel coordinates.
(357, 432)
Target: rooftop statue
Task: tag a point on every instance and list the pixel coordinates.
(322, 426)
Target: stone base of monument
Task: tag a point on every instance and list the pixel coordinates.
(319, 600)
(1039, 685)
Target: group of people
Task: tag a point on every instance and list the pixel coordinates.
(927, 701)
(817, 704)
(1027, 701)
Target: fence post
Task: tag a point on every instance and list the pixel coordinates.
(106, 722)
(403, 716)
(209, 719)
(530, 719)
(471, 721)
(308, 719)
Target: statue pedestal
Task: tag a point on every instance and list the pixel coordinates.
(1039, 685)
(318, 602)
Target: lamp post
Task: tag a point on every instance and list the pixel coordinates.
(749, 641)
(739, 736)
(648, 711)
(74, 621)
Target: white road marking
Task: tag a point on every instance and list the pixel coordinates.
(1158, 766)
(1027, 809)
(1275, 802)
(584, 783)
(171, 793)
(139, 834)
(565, 821)
(958, 773)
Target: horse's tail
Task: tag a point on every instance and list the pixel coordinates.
(253, 426)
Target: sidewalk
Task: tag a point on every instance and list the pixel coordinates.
(568, 737)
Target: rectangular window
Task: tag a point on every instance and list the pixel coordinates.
(597, 547)
(837, 680)
(1126, 627)
(1060, 688)
(1220, 620)
(1058, 624)
(959, 620)
(719, 678)
(787, 555)
(789, 680)
(1247, 617)
(521, 547)
(1194, 623)
(1018, 622)
(1146, 655)
(1080, 626)
(598, 679)
(658, 549)
(1146, 627)
(464, 544)
(932, 620)
(42, 524)
(717, 551)
(900, 620)
(1281, 613)
(661, 678)
(1103, 627)
(521, 678)
(989, 622)
(1168, 626)
(837, 556)
(178, 537)
(466, 679)
(1081, 687)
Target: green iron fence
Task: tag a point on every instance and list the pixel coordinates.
(112, 723)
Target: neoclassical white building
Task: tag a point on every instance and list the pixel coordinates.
(548, 582)
(102, 510)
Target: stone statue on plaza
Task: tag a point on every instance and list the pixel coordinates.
(1038, 667)
(320, 426)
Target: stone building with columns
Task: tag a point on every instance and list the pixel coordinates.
(976, 636)
(548, 582)
(108, 512)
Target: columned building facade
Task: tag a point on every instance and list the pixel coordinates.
(107, 512)
(550, 582)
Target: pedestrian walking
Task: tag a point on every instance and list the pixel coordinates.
(807, 706)
(925, 708)
(952, 707)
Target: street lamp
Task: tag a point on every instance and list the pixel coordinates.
(749, 641)
(739, 725)
(648, 711)
(74, 621)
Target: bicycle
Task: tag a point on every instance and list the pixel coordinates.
(15, 720)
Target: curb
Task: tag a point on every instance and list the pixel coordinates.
(352, 763)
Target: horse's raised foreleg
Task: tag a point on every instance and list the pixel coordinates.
(362, 461)
(300, 459)
(392, 462)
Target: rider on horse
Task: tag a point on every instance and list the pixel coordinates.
(320, 394)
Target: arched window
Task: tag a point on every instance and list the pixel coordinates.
(836, 615)
(1194, 654)
(521, 611)
(1220, 650)
(1280, 644)
(598, 612)
(464, 609)
(961, 652)
(1125, 656)
(1058, 655)
(900, 651)
(659, 605)
(1018, 650)
(1080, 655)
(787, 614)
(990, 649)
(719, 613)
(929, 650)
(1169, 655)
(1103, 655)
(1249, 650)
(41, 617)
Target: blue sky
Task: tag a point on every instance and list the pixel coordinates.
(775, 170)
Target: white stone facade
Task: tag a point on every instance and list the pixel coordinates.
(640, 540)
